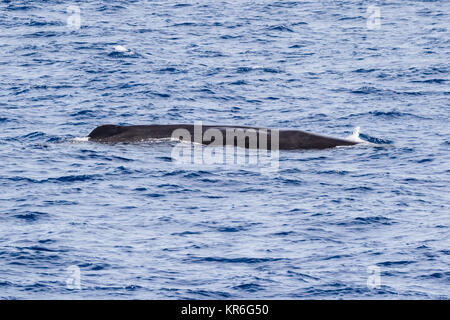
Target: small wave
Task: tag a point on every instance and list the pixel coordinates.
(280, 28)
(351, 18)
(182, 5)
(160, 94)
(359, 137)
(206, 293)
(74, 178)
(374, 140)
(171, 70)
(30, 216)
(83, 113)
(430, 81)
(238, 83)
(231, 229)
(437, 275)
(249, 287)
(373, 220)
(368, 90)
(234, 260)
(393, 114)
(32, 136)
(362, 70)
(185, 24)
(395, 263)
(14, 7)
(185, 233)
(246, 69)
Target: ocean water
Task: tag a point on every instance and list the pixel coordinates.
(82, 220)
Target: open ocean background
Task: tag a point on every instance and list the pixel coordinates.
(140, 226)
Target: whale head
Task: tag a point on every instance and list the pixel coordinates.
(106, 131)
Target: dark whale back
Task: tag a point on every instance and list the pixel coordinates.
(287, 139)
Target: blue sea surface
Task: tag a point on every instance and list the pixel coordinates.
(369, 221)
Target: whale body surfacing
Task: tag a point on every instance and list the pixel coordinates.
(218, 135)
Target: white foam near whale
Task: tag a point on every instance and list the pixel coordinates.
(355, 136)
(80, 139)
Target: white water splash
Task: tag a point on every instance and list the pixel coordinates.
(355, 135)
(80, 139)
(122, 49)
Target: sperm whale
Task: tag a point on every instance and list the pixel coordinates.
(216, 135)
